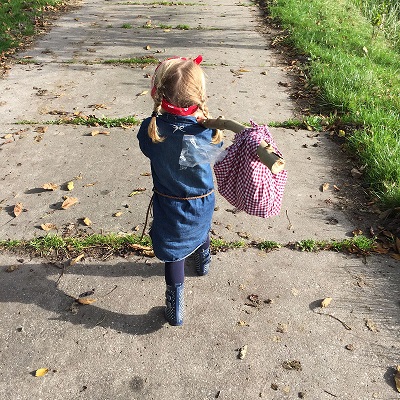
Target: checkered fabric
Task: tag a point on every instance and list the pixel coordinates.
(244, 181)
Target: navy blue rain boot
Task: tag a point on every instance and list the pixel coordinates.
(202, 259)
(174, 303)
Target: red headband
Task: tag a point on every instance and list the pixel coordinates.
(167, 106)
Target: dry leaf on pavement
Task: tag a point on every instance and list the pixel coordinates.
(324, 187)
(87, 221)
(68, 202)
(76, 259)
(41, 372)
(86, 300)
(18, 208)
(48, 226)
(242, 352)
(70, 185)
(371, 325)
(397, 378)
(50, 186)
(41, 129)
(325, 302)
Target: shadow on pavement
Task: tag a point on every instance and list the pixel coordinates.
(36, 284)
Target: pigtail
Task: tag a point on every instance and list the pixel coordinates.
(152, 129)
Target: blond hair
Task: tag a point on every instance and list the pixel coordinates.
(181, 82)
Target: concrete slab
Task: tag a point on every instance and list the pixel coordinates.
(120, 347)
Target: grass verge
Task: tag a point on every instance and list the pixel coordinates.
(20, 19)
(98, 245)
(354, 63)
(121, 122)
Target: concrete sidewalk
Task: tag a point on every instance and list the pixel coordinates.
(120, 347)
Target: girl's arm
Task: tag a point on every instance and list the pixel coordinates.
(265, 151)
(222, 123)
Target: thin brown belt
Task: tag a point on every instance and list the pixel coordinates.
(183, 198)
(169, 197)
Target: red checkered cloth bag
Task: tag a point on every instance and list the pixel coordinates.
(244, 181)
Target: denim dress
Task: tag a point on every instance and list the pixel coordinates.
(182, 225)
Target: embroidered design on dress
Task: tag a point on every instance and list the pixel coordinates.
(178, 128)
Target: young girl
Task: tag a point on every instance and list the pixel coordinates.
(183, 200)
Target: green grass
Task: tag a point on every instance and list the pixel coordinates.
(97, 244)
(134, 61)
(356, 244)
(47, 245)
(158, 3)
(88, 121)
(356, 67)
(94, 121)
(20, 19)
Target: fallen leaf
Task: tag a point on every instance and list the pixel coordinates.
(97, 106)
(12, 268)
(142, 93)
(242, 352)
(147, 47)
(70, 185)
(136, 191)
(242, 323)
(324, 187)
(349, 347)
(85, 300)
(90, 184)
(41, 129)
(104, 133)
(140, 247)
(325, 302)
(94, 133)
(243, 235)
(50, 186)
(282, 328)
(68, 202)
(357, 232)
(397, 378)
(371, 325)
(243, 70)
(148, 253)
(8, 136)
(48, 226)
(41, 372)
(118, 214)
(87, 221)
(380, 248)
(296, 365)
(337, 188)
(77, 259)
(18, 208)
